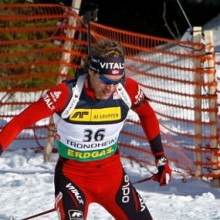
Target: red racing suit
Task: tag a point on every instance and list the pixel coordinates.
(89, 167)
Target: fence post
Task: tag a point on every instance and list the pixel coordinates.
(197, 37)
(66, 57)
(213, 117)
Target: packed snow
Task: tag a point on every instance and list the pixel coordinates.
(26, 185)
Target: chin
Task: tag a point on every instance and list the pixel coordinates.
(104, 97)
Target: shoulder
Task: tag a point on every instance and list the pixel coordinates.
(58, 96)
(129, 81)
(131, 86)
(61, 88)
(134, 91)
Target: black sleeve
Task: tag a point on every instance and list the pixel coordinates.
(156, 146)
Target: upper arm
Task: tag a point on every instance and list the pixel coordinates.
(53, 101)
(135, 92)
(141, 105)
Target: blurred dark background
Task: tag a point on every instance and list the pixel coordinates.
(162, 18)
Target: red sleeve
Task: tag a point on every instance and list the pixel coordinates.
(147, 116)
(142, 107)
(53, 101)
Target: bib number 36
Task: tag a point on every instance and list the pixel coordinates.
(91, 135)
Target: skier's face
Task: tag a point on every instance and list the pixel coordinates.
(104, 85)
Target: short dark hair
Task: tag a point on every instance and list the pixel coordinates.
(107, 47)
(103, 48)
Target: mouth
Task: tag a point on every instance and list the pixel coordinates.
(106, 94)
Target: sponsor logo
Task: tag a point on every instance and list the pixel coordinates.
(104, 144)
(55, 95)
(115, 71)
(112, 65)
(80, 115)
(139, 97)
(48, 102)
(75, 215)
(126, 190)
(72, 104)
(88, 155)
(96, 115)
(76, 193)
(142, 204)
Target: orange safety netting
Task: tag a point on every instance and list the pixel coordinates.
(40, 45)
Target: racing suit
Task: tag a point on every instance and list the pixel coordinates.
(89, 168)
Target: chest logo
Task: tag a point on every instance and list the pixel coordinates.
(96, 115)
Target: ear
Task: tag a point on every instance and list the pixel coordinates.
(91, 72)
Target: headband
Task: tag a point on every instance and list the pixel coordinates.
(107, 65)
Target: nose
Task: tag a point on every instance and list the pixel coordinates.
(109, 87)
